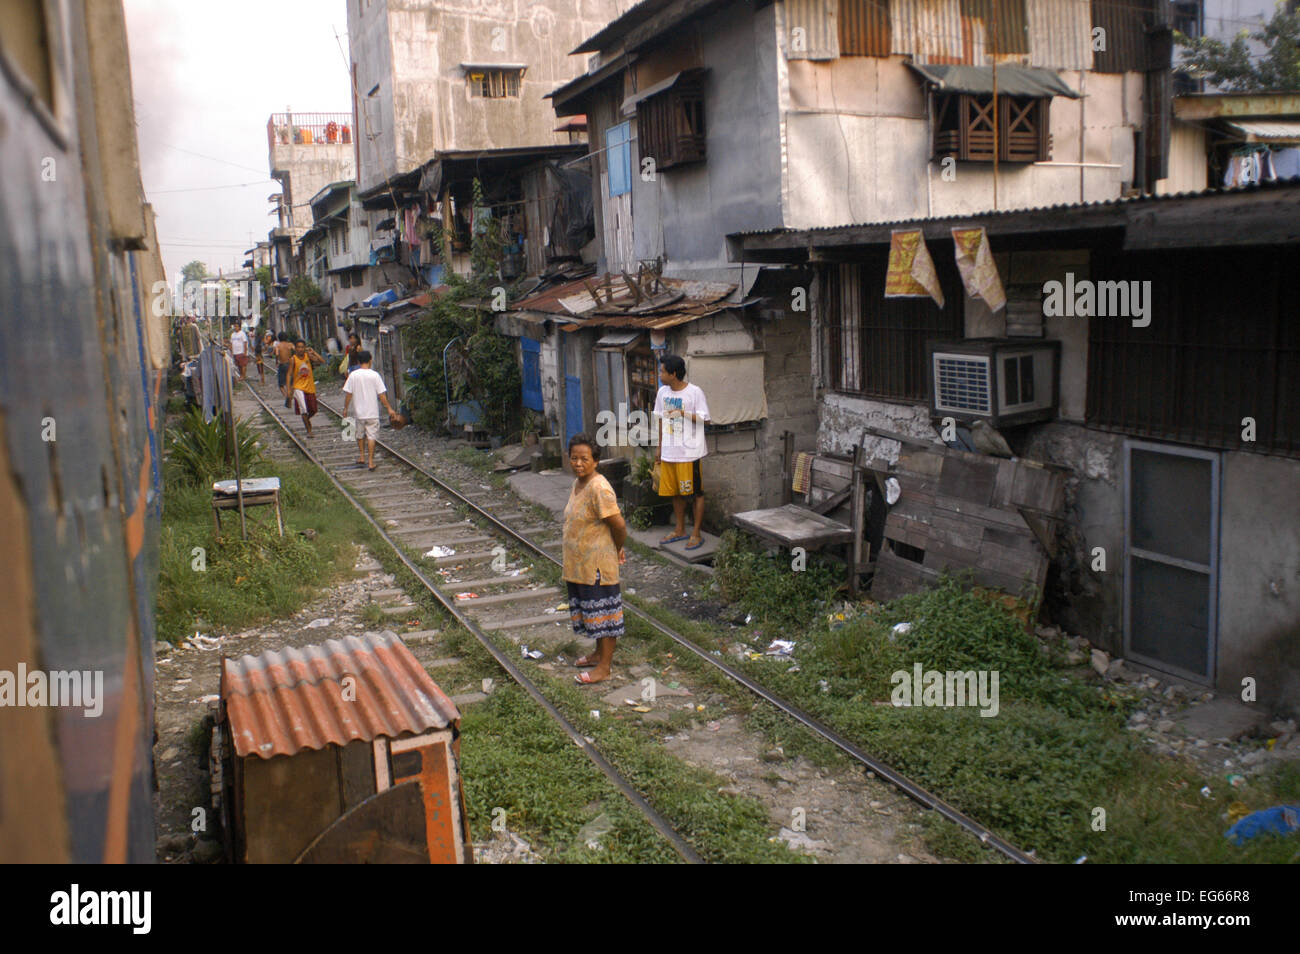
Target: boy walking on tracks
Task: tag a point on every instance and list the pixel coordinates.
(682, 411)
(304, 381)
(283, 355)
(365, 390)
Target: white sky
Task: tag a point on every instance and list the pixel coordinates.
(205, 77)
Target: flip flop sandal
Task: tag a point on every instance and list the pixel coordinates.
(584, 679)
(694, 546)
(584, 662)
(664, 543)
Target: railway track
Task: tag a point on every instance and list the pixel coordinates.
(428, 520)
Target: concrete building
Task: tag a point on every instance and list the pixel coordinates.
(1180, 426)
(433, 76)
(307, 151)
(713, 118)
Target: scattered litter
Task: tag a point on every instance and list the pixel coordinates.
(591, 833)
(1279, 820)
(713, 726)
(1237, 811)
(794, 668)
(899, 629)
(892, 490)
(205, 643)
(1081, 859)
(673, 685)
(531, 653)
(781, 647)
(595, 714)
(440, 552)
(560, 660)
(1205, 791)
(562, 608)
(823, 685)
(749, 617)
(320, 623)
(640, 708)
(631, 591)
(1236, 781)
(209, 698)
(488, 686)
(466, 596)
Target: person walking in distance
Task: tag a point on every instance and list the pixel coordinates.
(365, 391)
(304, 381)
(262, 346)
(284, 355)
(594, 534)
(239, 349)
(682, 411)
(352, 354)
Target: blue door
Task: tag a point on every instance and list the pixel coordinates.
(572, 408)
(532, 389)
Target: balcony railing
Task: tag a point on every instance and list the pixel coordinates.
(284, 129)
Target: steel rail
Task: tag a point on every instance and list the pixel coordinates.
(657, 821)
(914, 791)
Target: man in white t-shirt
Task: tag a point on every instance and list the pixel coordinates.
(365, 391)
(682, 411)
(239, 349)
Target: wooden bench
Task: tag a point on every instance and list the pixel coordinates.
(257, 492)
(833, 483)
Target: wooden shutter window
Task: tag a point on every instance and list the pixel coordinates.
(670, 125)
(963, 128)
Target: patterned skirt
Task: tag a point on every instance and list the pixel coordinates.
(596, 610)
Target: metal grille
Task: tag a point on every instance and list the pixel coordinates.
(876, 345)
(962, 383)
(1222, 345)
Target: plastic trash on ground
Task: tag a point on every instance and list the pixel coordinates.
(1278, 820)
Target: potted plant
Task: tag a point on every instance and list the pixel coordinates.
(641, 494)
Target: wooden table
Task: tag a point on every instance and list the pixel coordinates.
(258, 492)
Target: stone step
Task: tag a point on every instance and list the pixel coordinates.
(515, 596)
(524, 621)
(467, 699)
(490, 580)
(468, 556)
(421, 636)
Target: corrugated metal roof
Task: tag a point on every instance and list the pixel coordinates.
(1266, 129)
(282, 702)
(680, 301)
(1060, 206)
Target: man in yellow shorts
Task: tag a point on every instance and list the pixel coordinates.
(682, 411)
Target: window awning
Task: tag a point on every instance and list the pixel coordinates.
(978, 80)
(663, 86)
(618, 339)
(1266, 130)
(483, 67)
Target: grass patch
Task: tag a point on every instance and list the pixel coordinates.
(204, 584)
(766, 586)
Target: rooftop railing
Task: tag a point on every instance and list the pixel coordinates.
(284, 129)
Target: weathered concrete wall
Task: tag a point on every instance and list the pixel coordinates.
(1084, 601)
(1259, 578)
(1188, 163)
(413, 49)
(306, 168)
(686, 213)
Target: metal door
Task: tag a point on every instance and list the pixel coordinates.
(532, 383)
(1171, 533)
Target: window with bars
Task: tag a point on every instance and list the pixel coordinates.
(964, 130)
(1222, 345)
(875, 346)
(670, 124)
(494, 84)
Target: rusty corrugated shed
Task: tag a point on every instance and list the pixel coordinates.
(1050, 33)
(282, 702)
(819, 39)
(864, 28)
(1060, 34)
(1124, 23)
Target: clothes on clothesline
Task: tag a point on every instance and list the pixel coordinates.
(1262, 164)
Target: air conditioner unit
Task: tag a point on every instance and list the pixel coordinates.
(1003, 381)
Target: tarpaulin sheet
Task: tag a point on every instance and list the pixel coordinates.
(733, 385)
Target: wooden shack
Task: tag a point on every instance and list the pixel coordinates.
(313, 747)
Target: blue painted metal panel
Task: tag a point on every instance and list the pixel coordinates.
(532, 377)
